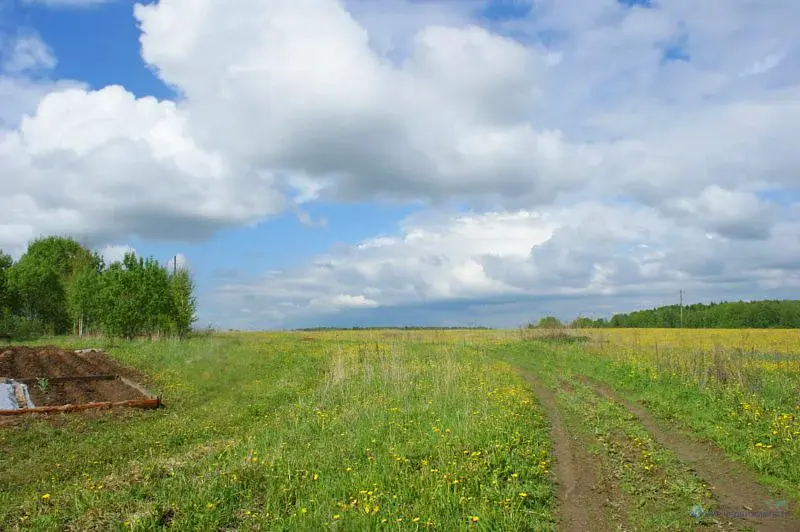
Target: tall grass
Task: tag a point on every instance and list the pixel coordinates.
(761, 363)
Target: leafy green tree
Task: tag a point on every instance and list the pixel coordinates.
(583, 323)
(83, 293)
(5, 295)
(38, 293)
(140, 297)
(40, 277)
(120, 298)
(58, 286)
(157, 303)
(184, 302)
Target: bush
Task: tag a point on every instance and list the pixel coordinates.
(549, 322)
(19, 328)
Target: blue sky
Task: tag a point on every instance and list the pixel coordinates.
(98, 45)
(476, 175)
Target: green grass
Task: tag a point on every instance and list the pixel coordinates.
(381, 430)
(758, 429)
(647, 486)
(280, 432)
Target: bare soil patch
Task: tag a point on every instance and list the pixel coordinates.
(742, 499)
(20, 362)
(581, 499)
(80, 392)
(47, 371)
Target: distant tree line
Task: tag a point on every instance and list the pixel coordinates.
(393, 328)
(59, 287)
(776, 314)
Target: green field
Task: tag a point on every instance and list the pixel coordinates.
(395, 430)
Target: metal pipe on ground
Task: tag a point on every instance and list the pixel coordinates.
(135, 403)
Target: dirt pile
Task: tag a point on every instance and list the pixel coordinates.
(55, 376)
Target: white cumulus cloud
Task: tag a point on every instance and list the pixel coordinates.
(600, 146)
(580, 253)
(115, 253)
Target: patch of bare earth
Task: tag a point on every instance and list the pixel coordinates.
(742, 499)
(581, 498)
(58, 377)
(20, 362)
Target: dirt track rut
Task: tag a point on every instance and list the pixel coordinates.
(741, 497)
(580, 501)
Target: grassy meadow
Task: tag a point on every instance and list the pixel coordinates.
(402, 430)
(737, 388)
(291, 431)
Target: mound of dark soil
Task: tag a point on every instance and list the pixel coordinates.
(47, 371)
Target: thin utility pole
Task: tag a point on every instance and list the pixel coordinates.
(174, 265)
(681, 293)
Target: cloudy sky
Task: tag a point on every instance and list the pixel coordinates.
(346, 162)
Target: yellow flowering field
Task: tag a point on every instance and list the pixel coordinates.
(750, 340)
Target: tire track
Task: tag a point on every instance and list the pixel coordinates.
(580, 505)
(741, 497)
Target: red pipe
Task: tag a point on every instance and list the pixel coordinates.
(135, 403)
